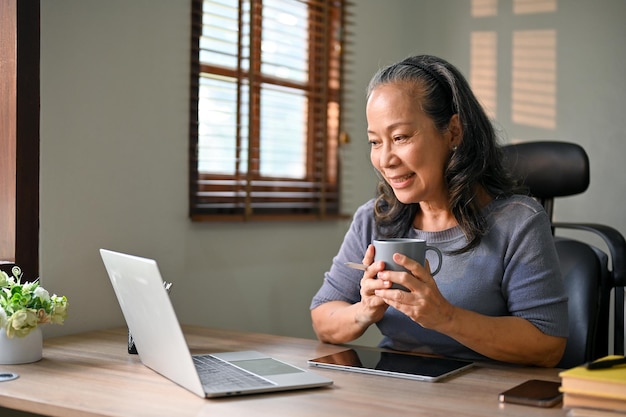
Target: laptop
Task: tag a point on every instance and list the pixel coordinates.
(162, 346)
(392, 363)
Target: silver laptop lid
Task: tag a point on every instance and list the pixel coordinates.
(162, 346)
(151, 318)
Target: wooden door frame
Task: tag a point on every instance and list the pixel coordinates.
(19, 133)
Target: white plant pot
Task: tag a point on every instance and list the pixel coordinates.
(18, 350)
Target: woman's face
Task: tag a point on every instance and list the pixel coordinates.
(406, 148)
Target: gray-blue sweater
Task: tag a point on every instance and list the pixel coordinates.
(514, 271)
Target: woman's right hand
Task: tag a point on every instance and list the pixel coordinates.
(342, 322)
(372, 308)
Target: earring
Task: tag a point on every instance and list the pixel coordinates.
(454, 148)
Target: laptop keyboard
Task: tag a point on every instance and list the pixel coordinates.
(216, 374)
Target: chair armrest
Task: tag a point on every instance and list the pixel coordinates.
(614, 241)
(617, 249)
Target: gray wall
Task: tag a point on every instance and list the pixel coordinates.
(114, 102)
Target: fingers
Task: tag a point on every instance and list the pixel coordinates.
(368, 259)
(423, 302)
(370, 281)
(374, 307)
(417, 270)
(413, 280)
(376, 278)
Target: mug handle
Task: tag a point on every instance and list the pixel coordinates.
(438, 254)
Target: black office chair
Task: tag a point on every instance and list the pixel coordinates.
(558, 169)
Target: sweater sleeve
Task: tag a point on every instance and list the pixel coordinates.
(532, 284)
(340, 282)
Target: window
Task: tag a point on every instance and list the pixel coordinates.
(265, 109)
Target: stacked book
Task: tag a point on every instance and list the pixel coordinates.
(596, 389)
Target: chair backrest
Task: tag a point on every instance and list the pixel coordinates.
(557, 169)
(549, 169)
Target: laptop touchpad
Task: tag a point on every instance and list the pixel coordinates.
(266, 367)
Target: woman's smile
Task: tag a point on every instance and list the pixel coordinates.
(401, 181)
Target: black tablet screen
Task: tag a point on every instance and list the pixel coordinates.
(421, 367)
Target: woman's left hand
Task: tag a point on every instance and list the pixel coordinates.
(423, 302)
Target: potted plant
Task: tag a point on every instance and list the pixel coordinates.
(23, 307)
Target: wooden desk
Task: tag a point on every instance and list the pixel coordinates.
(91, 374)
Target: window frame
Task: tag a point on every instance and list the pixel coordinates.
(252, 196)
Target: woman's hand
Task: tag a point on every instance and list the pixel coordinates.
(341, 322)
(423, 302)
(372, 307)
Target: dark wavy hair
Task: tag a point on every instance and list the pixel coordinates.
(477, 162)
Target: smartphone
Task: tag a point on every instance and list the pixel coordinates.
(534, 392)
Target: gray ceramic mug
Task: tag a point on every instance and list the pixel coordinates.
(413, 248)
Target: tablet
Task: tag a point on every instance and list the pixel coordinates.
(395, 364)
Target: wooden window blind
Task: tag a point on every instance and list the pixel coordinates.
(265, 109)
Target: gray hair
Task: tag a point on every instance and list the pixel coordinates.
(477, 162)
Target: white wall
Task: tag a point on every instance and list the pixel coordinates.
(114, 100)
(113, 143)
(114, 139)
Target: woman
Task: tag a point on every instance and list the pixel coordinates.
(499, 294)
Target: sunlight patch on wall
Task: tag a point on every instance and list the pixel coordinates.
(534, 78)
(533, 6)
(484, 69)
(482, 8)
